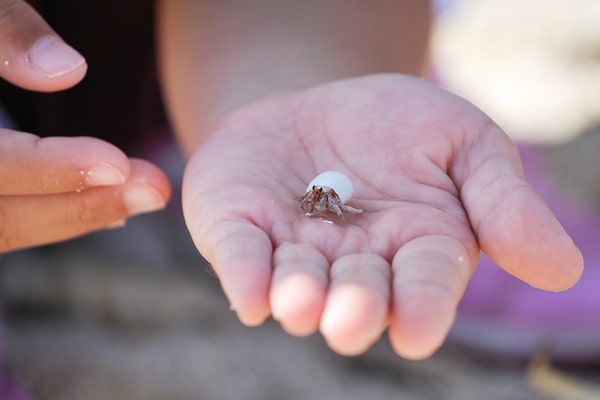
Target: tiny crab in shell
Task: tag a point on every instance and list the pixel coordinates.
(321, 196)
(321, 199)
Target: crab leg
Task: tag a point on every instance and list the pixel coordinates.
(353, 210)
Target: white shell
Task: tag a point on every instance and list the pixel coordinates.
(335, 180)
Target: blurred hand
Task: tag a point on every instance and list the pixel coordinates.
(57, 188)
(437, 179)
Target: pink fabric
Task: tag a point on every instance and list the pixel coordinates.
(10, 389)
(502, 314)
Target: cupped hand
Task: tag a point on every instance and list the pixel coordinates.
(438, 182)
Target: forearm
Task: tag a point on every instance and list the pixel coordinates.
(216, 55)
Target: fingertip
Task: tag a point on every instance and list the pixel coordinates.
(146, 173)
(353, 320)
(247, 293)
(421, 321)
(298, 288)
(297, 305)
(53, 57)
(240, 254)
(49, 65)
(346, 336)
(349, 348)
(251, 317)
(534, 247)
(564, 274)
(357, 307)
(249, 301)
(578, 267)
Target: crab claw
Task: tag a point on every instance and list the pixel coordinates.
(353, 210)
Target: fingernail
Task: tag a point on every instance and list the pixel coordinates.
(54, 57)
(104, 175)
(142, 199)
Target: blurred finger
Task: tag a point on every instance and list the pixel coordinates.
(31, 165)
(430, 276)
(240, 254)
(357, 307)
(298, 287)
(34, 220)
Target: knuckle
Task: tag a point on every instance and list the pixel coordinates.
(12, 13)
(91, 209)
(80, 213)
(8, 8)
(20, 24)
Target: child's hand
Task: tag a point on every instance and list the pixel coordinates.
(437, 180)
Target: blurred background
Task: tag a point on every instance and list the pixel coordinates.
(135, 313)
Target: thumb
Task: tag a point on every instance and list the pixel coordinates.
(32, 55)
(513, 225)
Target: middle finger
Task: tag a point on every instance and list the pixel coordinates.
(357, 308)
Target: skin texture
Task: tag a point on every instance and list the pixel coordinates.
(53, 189)
(438, 181)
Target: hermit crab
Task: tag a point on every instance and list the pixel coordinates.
(328, 192)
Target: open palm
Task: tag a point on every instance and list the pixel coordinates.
(438, 181)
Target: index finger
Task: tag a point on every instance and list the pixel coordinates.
(33, 165)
